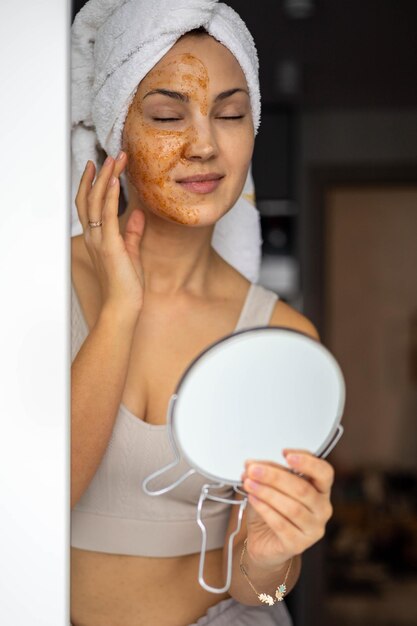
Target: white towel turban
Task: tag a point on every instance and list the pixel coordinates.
(115, 43)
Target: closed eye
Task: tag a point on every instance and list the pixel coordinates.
(178, 119)
(166, 119)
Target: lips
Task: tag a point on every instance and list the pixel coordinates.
(201, 183)
(206, 186)
(200, 178)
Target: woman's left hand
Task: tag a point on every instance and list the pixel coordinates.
(288, 513)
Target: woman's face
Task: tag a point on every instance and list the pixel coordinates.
(200, 125)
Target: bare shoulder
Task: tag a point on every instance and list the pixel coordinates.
(286, 315)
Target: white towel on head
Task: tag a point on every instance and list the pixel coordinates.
(115, 43)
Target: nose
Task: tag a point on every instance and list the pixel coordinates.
(201, 143)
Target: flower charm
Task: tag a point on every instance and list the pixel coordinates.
(264, 597)
(280, 592)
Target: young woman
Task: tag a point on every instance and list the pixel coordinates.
(149, 294)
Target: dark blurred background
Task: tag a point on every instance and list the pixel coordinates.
(335, 171)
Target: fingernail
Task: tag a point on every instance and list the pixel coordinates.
(256, 471)
(108, 161)
(293, 459)
(251, 484)
(120, 155)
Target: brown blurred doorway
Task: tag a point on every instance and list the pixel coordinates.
(370, 319)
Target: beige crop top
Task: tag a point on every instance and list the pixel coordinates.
(114, 515)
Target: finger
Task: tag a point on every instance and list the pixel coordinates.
(291, 538)
(120, 163)
(280, 478)
(134, 230)
(295, 512)
(111, 202)
(82, 193)
(110, 227)
(319, 471)
(96, 196)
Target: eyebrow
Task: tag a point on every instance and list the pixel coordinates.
(177, 95)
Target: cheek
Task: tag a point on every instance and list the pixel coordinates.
(152, 155)
(238, 151)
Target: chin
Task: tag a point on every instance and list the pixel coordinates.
(209, 216)
(193, 216)
(200, 214)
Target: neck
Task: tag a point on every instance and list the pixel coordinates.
(175, 258)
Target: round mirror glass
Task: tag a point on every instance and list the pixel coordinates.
(253, 394)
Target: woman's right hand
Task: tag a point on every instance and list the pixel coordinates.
(116, 258)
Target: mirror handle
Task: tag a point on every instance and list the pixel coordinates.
(173, 463)
(205, 495)
(177, 482)
(332, 443)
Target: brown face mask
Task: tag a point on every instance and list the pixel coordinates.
(154, 152)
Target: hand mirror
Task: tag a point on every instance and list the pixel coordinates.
(249, 396)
